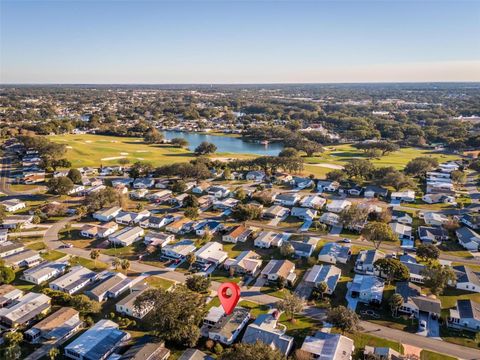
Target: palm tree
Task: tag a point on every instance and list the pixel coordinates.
(94, 255)
(191, 258)
(125, 265)
(322, 288)
(116, 263)
(53, 353)
(395, 302)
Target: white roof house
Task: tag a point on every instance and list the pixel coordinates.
(58, 325)
(313, 202)
(107, 214)
(74, 280)
(13, 205)
(126, 306)
(267, 239)
(333, 253)
(24, 310)
(328, 274)
(405, 195)
(98, 342)
(433, 218)
(367, 288)
(180, 249)
(327, 346)
(44, 272)
(127, 236)
(157, 238)
(211, 253)
(337, 206)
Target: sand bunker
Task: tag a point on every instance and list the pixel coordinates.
(123, 153)
(140, 158)
(113, 158)
(328, 166)
(69, 147)
(142, 151)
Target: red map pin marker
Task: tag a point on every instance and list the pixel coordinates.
(229, 301)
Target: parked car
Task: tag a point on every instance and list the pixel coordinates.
(423, 325)
(345, 240)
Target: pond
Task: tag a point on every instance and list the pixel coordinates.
(226, 144)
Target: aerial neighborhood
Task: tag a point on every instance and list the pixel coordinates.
(114, 237)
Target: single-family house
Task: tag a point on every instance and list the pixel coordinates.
(401, 217)
(330, 218)
(219, 192)
(266, 329)
(404, 195)
(211, 226)
(276, 212)
(432, 234)
(255, 175)
(157, 238)
(267, 239)
(225, 328)
(100, 291)
(146, 350)
(24, 258)
(328, 274)
(129, 218)
(301, 182)
(9, 294)
(3, 235)
(126, 236)
(12, 205)
(239, 233)
(179, 226)
(16, 221)
(367, 288)
(107, 214)
(326, 185)
(44, 272)
(313, 202)
(366, 259)
(466, 315)
(143, 183)
(211, 253)
(326, 346)
(275, 269)
(435, 218)
(416, 271)
(248, 262)
(225, 204)
(194, 354)
(25, 310)
(159, 196)
(200, 188)
(305, 214)
(8, 248)
(304, 248)
(468, 238)
(98, 231)
(337, 206)
(372, 191)
(414, 302)
(77, 278)
(60, 325)
(471, 220)
(179, 250)
(138, 194)
(287, 199)
(334, 252)
(126, 306)
(156, 222)
(437, 198)
(77, 189)
(98, 342)
(403, 232)
(467, 279)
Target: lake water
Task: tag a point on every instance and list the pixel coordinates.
(226, 144)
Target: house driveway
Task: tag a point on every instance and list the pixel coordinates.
(335, 231)
(433, 327)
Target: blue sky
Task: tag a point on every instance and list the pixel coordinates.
(238, 41)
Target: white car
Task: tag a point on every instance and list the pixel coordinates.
(423, 325)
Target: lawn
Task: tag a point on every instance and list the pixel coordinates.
(95, 150)
(52, 255)
(341, 154)
(430, 355)
(157, 282)
(451, 295)
(90, 264)
(300, 328)
(39, 245)
(361, 340)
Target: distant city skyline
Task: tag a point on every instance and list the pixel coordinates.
(235, 42)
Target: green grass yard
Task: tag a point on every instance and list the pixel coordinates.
(157, 282)
(430, 355)
(52, 255)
